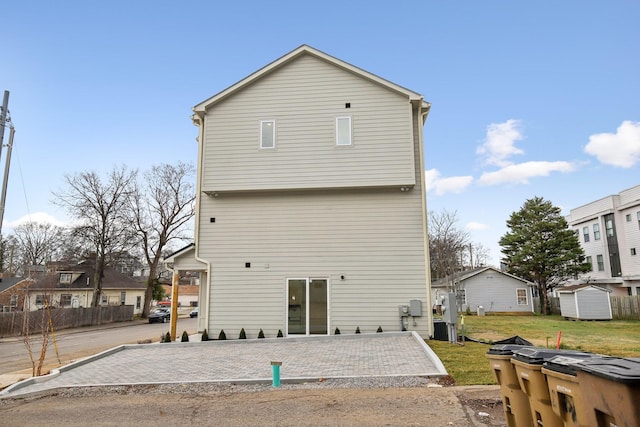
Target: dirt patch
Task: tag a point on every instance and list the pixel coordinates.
(201, 404)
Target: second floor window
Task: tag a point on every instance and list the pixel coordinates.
(585, 232)
(65, 277)
(268, 134)
(343, 131)
(596, 231)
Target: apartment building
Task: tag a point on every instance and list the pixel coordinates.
(609, 233)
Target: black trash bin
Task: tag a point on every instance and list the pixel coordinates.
(440, 331)
(514, 402)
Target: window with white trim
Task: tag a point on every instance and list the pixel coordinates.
(40, 299)
(461, 297)
(267, 134)
(585, 232)
(103, 299)
(65, 277)
(14, 301)
(343, 130)
(596, 231)
(589, 261)
(628, 217)
(521, 295)
(600, 260)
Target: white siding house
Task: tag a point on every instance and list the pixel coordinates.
(609, 232)
(311, 205)
(493, 290)
(585, 302)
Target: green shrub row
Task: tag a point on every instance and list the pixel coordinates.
(243, 335)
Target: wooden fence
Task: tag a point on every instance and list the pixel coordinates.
(19, 322)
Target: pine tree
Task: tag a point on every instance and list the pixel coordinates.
(541, 248)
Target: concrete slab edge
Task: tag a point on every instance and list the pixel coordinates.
(432, 355)
(56, 372)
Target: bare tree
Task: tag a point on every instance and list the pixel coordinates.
(37, 243)
(447, 244)
(477, 255)
(160, 208)
(99, 206)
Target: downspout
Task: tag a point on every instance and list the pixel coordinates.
(427, 265)
(200, 123)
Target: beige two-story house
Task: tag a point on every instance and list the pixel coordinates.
(311, 205)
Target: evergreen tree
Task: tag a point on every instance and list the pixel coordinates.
(541, 248)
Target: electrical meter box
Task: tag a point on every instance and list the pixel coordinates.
(403, 310)
(415, 307)
(450, 308)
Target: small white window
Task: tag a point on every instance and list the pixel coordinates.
(65, 277)
(343, 131)
(521, 294)
(267, 134)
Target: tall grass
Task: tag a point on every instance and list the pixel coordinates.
(469, 365)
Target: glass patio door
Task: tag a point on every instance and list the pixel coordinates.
(307, 306)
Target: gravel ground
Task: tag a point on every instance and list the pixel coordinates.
(402, 401)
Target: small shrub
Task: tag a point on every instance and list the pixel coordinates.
(468, 311)
(243, 334)
(358, 330)
(337, 331)
(167, 337)
(222, 335)
(379, 329)
(205, 336)
(261, 334)
(279, 333)
(185, 337)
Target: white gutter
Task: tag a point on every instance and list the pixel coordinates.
(425, 234)
(200, 172)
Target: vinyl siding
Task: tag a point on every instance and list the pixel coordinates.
(304, 98)
(586, 304)
(496, 293)
(373, 238)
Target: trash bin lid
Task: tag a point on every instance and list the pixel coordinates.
(567, 364)
(539, 355)
(614, 368)
(505, 349)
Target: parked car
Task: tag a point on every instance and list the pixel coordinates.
(160, 315)
(164, 304)
(194, 313)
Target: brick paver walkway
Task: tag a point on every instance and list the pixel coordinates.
(340, 356)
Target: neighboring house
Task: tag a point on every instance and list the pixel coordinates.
(187, 294)
(311, 205)
(72, 286)
(11, 294)
(585, 302)
(493, 290)
(609, 232)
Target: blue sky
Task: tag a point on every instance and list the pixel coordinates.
(529, 99)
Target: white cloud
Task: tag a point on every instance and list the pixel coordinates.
(453, 184)
(40, 217)
(520, 173)
(620, 149)
(476, 226)
(499, 143)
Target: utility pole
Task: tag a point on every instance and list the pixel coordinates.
(3, 119)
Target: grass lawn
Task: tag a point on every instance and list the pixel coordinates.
(469, 365)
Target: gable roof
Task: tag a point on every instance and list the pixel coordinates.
(201, 108)
(84, 279)
(9, 282)
(465, 275)
(578, 288)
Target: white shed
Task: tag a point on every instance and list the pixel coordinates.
(585, 302)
